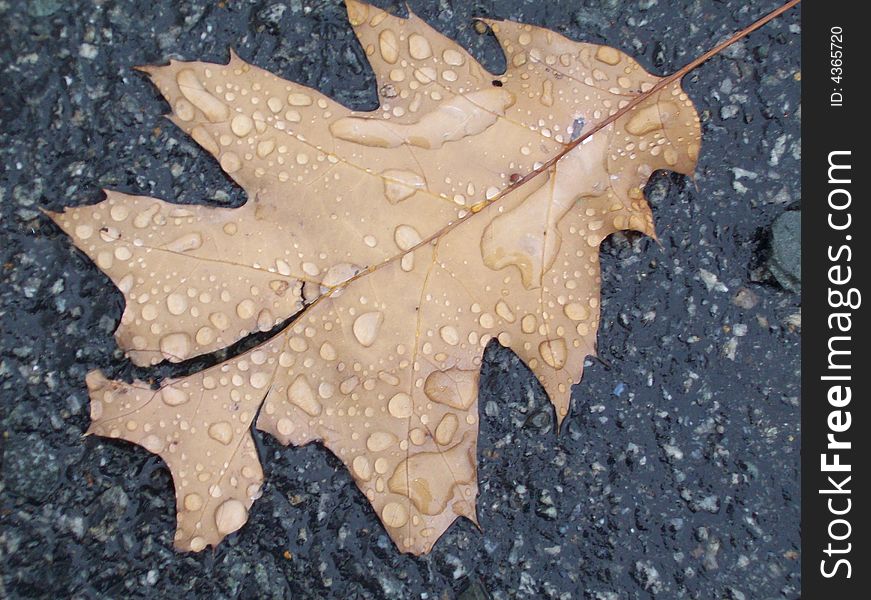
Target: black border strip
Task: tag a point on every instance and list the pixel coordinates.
(834, 269)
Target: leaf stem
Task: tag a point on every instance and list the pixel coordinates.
(666, 81)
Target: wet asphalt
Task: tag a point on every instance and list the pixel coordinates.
(675, 476)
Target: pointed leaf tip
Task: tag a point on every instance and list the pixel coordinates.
(357, 12)
(149, 70)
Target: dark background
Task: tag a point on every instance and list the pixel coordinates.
(675, 476)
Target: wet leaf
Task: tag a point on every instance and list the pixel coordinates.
(385, 224)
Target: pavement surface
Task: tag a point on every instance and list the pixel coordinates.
(677, 473)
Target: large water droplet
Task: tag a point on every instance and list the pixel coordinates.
(389, 46)
(400, 184)
(418, 47)
(173, 396)
(455, 387)
(553, 352)
(446, 429)
(175, 347)
(394, 514)
(366, 327)
(400, 406)
(230, 516)
(221, 432)
(192, 89)
(361, 467)
(380, 440)
(301, 394)
(429, 478)
(193, 502)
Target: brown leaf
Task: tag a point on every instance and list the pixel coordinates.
(385, 222)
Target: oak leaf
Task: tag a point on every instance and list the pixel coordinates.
(380, 227)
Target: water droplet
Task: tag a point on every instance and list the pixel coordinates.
(362, 468)
(205, 336)
(380, 441)
(176, 304)
(450, 335)
(454, 119)
(172, 396)
(184, 110)
(297, 344)
(260, 380)
(425, 75)
(553, 352)
(230, 162)
(400, 185)
(219, 320)
(428, 479)
(230, 516)
(198, 544)
(152, 443)
(221, 432)
(366, 327)
(123, 253)
(649, 118)
(576, 311)
(418, 47)
(504, 311)
(608, 55)
(528, 324)
(394, 514)
(241, 125)
(337, 274)
(446, 429)
(348, 385)
(149, 312)
(389, 46)
(452, 57)
(245, 309)
(185, 243)
(455, 388)
(327, 351)
(119, 212)
(265, 148)
(301, 394)
(326, 390)
(193, 502)
(175, 347)
(201, 136)
(265, 320)
(275, 104)
(192, 89)
(417, 436)
(299, 99)
(285, 426)
(547, 93)
(84, 232)
(400, 406)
